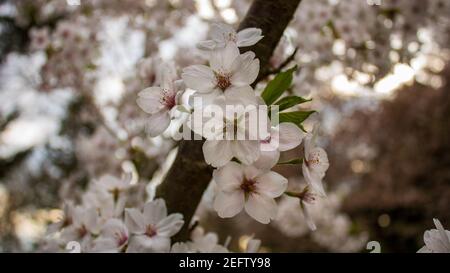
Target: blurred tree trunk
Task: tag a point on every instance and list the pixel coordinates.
(189, 176)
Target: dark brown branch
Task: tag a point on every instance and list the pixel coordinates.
(189, 176)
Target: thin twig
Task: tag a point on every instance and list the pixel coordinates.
(279, 68)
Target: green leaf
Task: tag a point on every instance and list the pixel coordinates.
(290, 101)
(295, 161)
(296, 117)
(278, 85)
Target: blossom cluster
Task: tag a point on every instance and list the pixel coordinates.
(113, 217)
(243, 176)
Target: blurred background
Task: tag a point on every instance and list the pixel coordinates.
(377, 72)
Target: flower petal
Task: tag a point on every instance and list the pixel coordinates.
(246, 151)
(318, 161)
(228, 204)
(199, 77)
(267, 160)
(134, 221)
(170, 225)
(261, 208)
(307, 215)
(154, 211)
(272, 184)
(290, 136)
(229, 177)
(149, 100)
(113, 227)
(217, 152)
(221, 32)
(243, 95)
(207, 45)
(221, 60)
(248, 37)
(157, 123)
(247, 72)
(143, 243)
(313, 180)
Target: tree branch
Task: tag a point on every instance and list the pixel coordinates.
(279, 68)
(189, 176)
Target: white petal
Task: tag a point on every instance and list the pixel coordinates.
(168, 76)
(170, 225)
(113, 227)
(229, 177)
(261, 208)
(154, 211)
(228, 204)
(247, 72)
(157, 123)
(220, 32)
(244, 95)
(91, 220)
(217, 153)
(267, 160)
(251, 172)
(271, 184)
(318, 161)
(149, 100)
(307, 215)
(222, 59)
(105, 245)
(134, 221)
(442, 232)
(143, 243)
(207, 45)
(290, 136)
(199, 77)
(206, 98)
(181, 248)
(246, 151)
(313, 180)
(248, 37)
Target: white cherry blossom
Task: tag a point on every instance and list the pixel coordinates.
(228, 73)
(205, 242)
(114, 237)
(152, 228)
(315, 164)
(284, 137)
(436, 240)
(222, 34)
(228, 135)
(245, 187)
(85, 223)
(160, 101)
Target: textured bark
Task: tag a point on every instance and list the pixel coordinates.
(272, 17)
(189, 176)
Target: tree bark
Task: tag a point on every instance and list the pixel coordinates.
(189, 176)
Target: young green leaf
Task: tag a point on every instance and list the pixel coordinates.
(278, 85)
(295, 161)
(290, 101)
(296, 117)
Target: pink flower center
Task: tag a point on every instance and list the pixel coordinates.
(150, 231)
(313, 159)
(82, 231)
(223, 81)
(168, 99)
(121, 238)
(231, 37)
(248, 186)
(267, 140)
